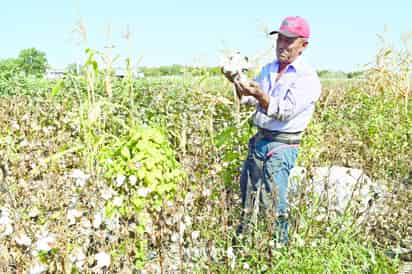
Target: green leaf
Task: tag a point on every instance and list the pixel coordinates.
(110, 209)
(95, 67)
(57, 88)
(125, 152)
(138, 202)
(224, 136)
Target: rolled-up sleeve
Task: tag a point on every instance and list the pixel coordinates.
(263, 81)
(263, 78)
(299, 95)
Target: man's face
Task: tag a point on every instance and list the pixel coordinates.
(288, 49)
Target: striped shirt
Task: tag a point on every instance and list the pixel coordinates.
(292, 97)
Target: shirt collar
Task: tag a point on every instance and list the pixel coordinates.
(295, 66)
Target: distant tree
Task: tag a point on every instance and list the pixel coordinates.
(180, 70)
(323, 73)
(9, 67)
(355, 74)
(32, 61)
(74, 69)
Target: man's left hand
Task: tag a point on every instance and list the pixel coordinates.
(250, 88)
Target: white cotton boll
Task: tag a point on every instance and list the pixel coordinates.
(85, 226)
(300, 241)
(195, 235)
(102, 259)
(206, 192)
(72, 215)
(230, 253)
(235, 64)
(5, 230)
(113, 223)
(23, 240)
(187, 220)
(46, 243)
(80, 177)
(6, 227)
(97, 220)
(143, 191)
(117, 201)
(15, 125)
(248, 100)
(132, 180)
(24, 143)
(37, 268)
(189, 198)
(4, 212)
(78, 257)
(246, 266)
(107, 193)
(175, 237)
(120, 180)
(182, 228)
(73, 201)
(34, 212)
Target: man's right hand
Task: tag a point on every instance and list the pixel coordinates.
(234, 79)
(229, 75)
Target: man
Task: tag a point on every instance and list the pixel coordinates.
(286, 91)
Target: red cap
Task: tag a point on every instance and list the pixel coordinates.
(293, 26)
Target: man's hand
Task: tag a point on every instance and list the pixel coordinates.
(228, 74)
(232, 78)
(250, 88)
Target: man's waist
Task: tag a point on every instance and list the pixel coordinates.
(281, 137)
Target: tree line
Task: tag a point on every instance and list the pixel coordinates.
(32, 61)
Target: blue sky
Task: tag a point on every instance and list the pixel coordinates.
(344, 33)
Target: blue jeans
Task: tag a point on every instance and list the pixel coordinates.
(265, 176)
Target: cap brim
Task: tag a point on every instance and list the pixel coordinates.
(284, 33)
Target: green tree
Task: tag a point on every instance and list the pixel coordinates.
(8, 68)
(32, 61)
(74, 69)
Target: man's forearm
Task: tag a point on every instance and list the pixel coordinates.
(263, 99)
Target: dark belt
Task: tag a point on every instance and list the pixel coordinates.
(290, 138)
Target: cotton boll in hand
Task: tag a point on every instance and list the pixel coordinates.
(235, 66)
